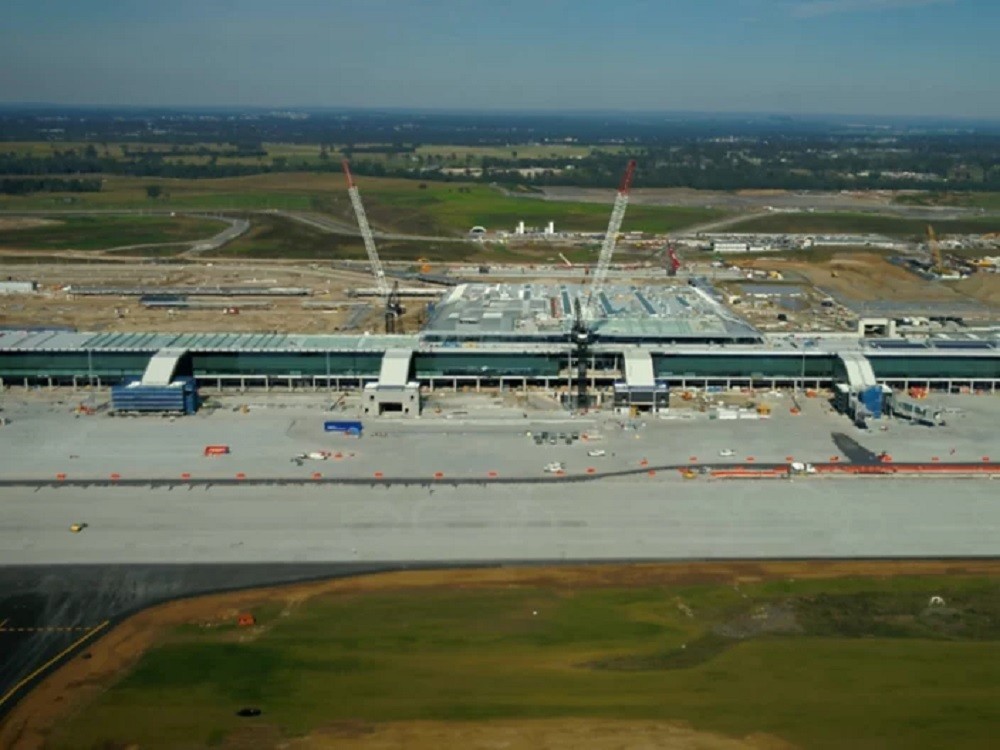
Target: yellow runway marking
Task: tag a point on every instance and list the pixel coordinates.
(75, 644)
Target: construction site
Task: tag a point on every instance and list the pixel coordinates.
(700, 340)
(327, 418)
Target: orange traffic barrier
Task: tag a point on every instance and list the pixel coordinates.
(317, 475)
(986, 459)
(185, 476)
(115, 477)
(834, 459)
(789, 458)
(216, 450)
(693, 459)
(591, 470)
(338, 455)
(61, 477)
(935, 458)
(560, 473)
(439, 475)
(246, 620)
(379, 475)
(241, 476)
(749, 473)
(750, 459)
(491, 474)
(644, 462)
(651, 473)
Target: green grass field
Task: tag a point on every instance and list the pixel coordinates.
(852, 662)
(103, 232)
(274, 236)
(392, 204)
(280, 237)
(847, 223)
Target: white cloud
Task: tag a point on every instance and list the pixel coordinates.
(814, 8)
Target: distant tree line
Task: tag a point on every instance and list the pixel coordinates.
(29, 185)
(697, 152)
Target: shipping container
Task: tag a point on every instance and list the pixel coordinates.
(348, 426)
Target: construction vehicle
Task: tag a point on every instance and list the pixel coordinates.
(393, 308)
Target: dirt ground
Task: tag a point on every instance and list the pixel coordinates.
(80, 680)
(983, 287)
(556, 734)
(328, 308)
(868, 276)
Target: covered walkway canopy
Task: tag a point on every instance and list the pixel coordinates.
(162, 367)
(639, 369)
(396, 367)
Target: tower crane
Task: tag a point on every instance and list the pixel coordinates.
(582, 333)
(600, 274)
(393, 308)
(937, 265)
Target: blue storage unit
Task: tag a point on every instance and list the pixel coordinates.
(180, 397)
(348, 426)
(872, 398)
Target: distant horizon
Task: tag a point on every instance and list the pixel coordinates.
(499, 111)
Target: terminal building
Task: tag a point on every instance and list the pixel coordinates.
(644, 342)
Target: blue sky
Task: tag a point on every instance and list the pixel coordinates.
(883, 57)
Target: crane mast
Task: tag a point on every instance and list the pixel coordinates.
(366, 233)
(600, 274)
(935, 251)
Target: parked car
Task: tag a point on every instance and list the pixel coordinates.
(597, 452)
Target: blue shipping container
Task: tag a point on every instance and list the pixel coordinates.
(343, 425)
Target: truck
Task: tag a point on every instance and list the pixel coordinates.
(797, 467)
